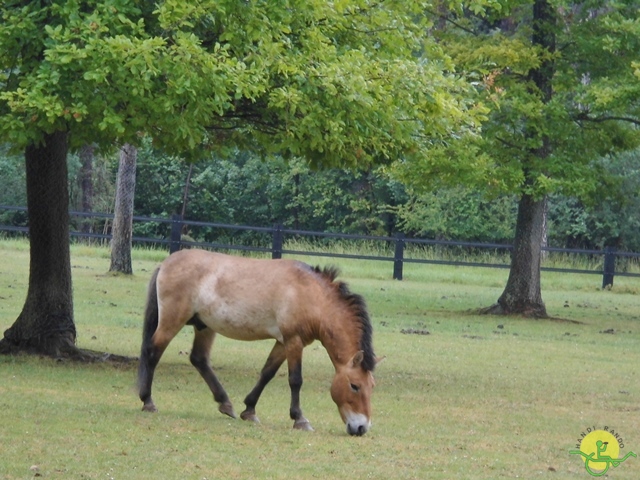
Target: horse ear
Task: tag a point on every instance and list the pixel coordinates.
(379, 360)
(356, 361)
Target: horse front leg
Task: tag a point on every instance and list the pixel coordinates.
(294, 362)
(274, 361)
(200, 359)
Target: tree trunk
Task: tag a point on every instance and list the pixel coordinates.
(523, 295)
(123, 213)
(86, 179)
(46, 324)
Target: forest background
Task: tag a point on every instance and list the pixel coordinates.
(245, 189)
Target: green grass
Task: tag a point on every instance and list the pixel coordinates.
(480, 397)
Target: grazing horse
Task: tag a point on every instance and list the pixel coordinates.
(250, 299)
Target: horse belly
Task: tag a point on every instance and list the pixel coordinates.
(241, 323)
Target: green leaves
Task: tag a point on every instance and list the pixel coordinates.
(340, 84)
(542, 138)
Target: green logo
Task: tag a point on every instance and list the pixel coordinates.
(600, 450)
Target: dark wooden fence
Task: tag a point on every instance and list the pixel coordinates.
(610, 258)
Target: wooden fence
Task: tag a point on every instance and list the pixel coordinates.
(401, 254)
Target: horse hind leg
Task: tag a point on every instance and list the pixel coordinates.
(149, 358)
(274, 361)
(200, 359)
(151, 352)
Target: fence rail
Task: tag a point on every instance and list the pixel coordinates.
(278, 234)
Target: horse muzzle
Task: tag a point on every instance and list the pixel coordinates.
(357, 425)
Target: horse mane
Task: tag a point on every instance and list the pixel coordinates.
(329, 273)
(358, 307)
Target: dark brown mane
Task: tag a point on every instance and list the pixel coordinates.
(358, 307)
(329, 273)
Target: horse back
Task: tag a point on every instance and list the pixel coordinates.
(242, 298)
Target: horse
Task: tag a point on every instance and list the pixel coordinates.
(259, 299)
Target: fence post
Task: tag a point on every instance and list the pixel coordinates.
(398, 257)
(278, 238)
(609, 269)
(176, 233)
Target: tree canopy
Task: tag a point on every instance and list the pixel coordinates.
(339, 83)
(591, 108)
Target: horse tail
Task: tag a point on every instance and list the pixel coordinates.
(149, 327)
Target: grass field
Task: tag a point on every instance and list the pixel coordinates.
(479, 397)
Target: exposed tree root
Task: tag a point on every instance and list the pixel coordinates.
(527, 312)
(495, 309)
(92, 356)
(532, 313)
(66, 352)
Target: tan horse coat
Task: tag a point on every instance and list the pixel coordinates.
(249, 299)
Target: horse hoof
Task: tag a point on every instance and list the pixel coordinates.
(227, 409)
(149, 408)
(303, 425)
(250, 417)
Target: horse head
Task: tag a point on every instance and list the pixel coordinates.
(351, 391)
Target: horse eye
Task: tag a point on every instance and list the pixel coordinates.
(355, 388)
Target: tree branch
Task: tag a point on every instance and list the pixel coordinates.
(607, 118)
(446, 18)
(508, 144)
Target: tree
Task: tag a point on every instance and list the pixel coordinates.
(43, 106)
(523, 293)
(335, 83)
(559, 77)
(122, 230)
